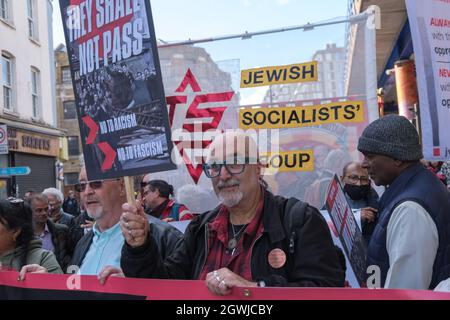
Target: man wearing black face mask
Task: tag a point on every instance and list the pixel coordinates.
(360, 195)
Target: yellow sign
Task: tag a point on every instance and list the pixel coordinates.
(293, 73)
(295, 117)
(63, 149)
(285, 161)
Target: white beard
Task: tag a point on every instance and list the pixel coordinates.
(230, 199)
(95, 214)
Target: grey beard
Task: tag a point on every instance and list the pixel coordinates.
(230, 199)
(95, 214)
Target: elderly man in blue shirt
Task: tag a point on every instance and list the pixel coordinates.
(99, 250)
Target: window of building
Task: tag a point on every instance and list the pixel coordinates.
(5, 10)
(74, 146)
(65, 75)
(70, 178)
(35, 92)
(32, 19)
(8, 81)
(70, 111)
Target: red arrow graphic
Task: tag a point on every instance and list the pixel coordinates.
(110, 155)
(93, 129)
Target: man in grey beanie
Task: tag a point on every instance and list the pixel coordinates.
(411, 242)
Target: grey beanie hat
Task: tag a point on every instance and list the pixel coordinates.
(393, 136)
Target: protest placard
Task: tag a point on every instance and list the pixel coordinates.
(347, 228)
(121, 106)
(430, 30)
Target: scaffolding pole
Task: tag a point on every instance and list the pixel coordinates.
(247, 35)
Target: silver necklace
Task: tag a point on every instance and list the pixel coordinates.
(233, 241)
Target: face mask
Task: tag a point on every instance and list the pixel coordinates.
(357, 192)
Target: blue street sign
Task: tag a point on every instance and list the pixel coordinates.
(15, 171)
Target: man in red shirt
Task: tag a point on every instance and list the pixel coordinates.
(156, 195)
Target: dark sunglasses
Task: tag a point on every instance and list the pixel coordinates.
(97, 184)
(81, 187)
(144, 184)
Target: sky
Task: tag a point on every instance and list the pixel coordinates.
(181, 19)
(178, 20)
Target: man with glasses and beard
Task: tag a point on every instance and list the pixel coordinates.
(98, 252)
(252, 239)
(360, 195)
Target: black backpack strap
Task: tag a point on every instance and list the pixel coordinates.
(294, 217)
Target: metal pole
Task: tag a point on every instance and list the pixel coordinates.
(248, 35)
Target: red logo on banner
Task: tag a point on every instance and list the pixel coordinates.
(194, 112)
(93, 129)
(110, 155)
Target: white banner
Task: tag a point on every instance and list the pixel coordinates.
(3, 139)
(430, 29)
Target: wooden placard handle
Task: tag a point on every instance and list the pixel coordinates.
(129, 189)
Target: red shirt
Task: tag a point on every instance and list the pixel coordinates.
(219, 256)
(164, 211)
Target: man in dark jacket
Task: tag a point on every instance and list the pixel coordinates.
(54, 236)
(411, 242)
(253, 238)
(100, 249)
(70, 204)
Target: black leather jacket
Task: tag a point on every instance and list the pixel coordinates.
(62, 243)
(166, 236)
(312, 259)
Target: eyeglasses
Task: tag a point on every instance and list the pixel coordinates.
(235, 166)
(213, 170)
(146, 192)
(355, 178)
(144, 184)
(96, 184)
(81, 187)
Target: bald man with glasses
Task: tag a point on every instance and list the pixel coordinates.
(253, 238)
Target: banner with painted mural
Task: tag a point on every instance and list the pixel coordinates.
(118, 88)
(305, 104)
(430, 29)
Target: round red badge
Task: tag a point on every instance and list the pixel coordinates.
(277, 258)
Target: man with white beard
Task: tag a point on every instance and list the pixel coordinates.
(98, 252)
(253, 238)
